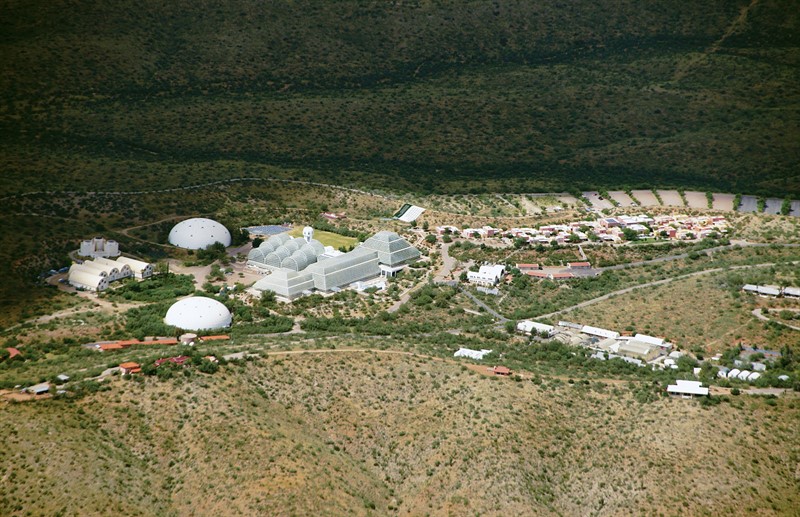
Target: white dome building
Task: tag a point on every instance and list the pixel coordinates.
(198, 313)
(199, 233)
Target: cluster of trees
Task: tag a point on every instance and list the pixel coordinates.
(158, 288)
(431, 294)
(384, 324)
(149, 321)
(169, 369)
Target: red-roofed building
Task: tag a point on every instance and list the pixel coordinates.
(163, 341)
(560, 276)
(13, 352)
(214, 338)
(111, 346)
(501, 370)
(538, 274)
(130, 368)
(528, 267)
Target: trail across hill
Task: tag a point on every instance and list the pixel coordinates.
(653, 284)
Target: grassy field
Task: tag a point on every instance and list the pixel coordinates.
(327, 238)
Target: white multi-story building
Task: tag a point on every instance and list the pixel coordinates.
(99, 247)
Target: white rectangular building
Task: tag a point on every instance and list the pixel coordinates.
(596, 331)
(528, 327)
(687, 389)
(486, 275)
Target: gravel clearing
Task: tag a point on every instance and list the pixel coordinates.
(622, 198)
(671, 198)
(749, 204)
(723, 201)
(773, 206)
(696, 199)
(597, 202)
(645, 197)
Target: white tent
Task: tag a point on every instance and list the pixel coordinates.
(472, 354)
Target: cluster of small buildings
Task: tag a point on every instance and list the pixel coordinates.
(639, 349)
(131, 368)
(772, 290)
(607, 229)
(187, 339)
(742, 375)
(98, 273)
(478, 355)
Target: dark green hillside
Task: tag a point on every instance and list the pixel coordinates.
(447, 95)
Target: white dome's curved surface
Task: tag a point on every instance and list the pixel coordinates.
(268, 247)
(277, 240)
(199, 233)
(198, 313)
(256, 254)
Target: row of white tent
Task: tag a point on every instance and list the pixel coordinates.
(742, 375)
(95, 275)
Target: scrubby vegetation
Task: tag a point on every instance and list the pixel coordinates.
(368, 433)
(159, 288)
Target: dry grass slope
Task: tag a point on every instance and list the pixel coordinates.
(367, 434)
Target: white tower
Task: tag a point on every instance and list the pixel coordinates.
(308, 233)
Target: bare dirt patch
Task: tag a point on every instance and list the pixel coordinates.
(696, 199)
(622, 198)
(597, 201)
(645, 197)
(671, 198)
(723, 201)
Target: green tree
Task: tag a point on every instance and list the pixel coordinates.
(630, 235)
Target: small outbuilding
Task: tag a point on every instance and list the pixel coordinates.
(500, 370)
(130, 368)
(39, 389)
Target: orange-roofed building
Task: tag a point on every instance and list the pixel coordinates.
(111, 346)
(538, 274)
(130, 368)
(165, 341)
(214, 338)
(556, 276)
(13, 352)
(127, 342)
(501, 370)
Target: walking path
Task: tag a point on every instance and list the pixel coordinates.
(652, 284)
(760, 315)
